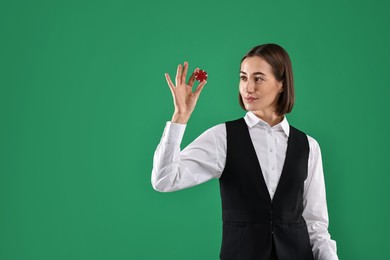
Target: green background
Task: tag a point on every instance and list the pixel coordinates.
(84, 101)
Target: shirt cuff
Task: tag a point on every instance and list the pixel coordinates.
(173, 133)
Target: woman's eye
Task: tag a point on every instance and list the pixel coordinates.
(258, 79)
(242, 77)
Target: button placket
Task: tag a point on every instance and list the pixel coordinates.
(271, 158)
(272, 163)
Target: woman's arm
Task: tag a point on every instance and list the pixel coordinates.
(200, 161)
(174, 169)
(316, 211)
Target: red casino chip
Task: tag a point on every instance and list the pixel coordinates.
(201, 75)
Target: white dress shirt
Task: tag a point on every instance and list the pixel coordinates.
(204, 159)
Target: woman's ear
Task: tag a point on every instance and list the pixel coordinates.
(280, 85)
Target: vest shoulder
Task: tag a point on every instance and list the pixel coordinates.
(312, 141)
(235, 125)
(241, 121)
(235, 121)
(298, 131)
(299, 136)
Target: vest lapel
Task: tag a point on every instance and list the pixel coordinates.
(256, 161)
(285, 164)
(286, 161)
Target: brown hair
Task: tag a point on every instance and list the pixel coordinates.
(280, 62)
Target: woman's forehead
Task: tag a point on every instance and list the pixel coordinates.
(255, 65)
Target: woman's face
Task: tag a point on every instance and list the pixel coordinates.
(258, 87)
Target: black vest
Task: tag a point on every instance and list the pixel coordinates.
(251, 220)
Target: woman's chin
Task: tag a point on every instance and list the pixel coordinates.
(250, 107)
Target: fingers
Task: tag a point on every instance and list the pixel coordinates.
(169, 81)
(178, 75)
(181, 75)
(184, 74)
(200, 87)
(192, 78)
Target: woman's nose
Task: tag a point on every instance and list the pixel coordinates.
(250, 87)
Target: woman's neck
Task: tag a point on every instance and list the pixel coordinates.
(270, 117)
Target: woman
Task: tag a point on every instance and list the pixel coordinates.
(270, 173)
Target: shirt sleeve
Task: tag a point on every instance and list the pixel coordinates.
(202, 160)
(315, 207)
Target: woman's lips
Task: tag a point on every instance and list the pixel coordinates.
(250, 99)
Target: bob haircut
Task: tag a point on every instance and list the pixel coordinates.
(280, 62)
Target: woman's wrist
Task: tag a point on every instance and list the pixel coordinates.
(180, 118)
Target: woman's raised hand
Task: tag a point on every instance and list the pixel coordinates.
(183, 97)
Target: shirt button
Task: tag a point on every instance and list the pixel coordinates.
(271, 150)
(270, 131)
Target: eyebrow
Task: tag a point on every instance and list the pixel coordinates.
(254, 73)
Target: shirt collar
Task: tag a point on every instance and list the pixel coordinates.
(251, 120)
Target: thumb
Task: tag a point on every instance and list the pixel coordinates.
(200, 87)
